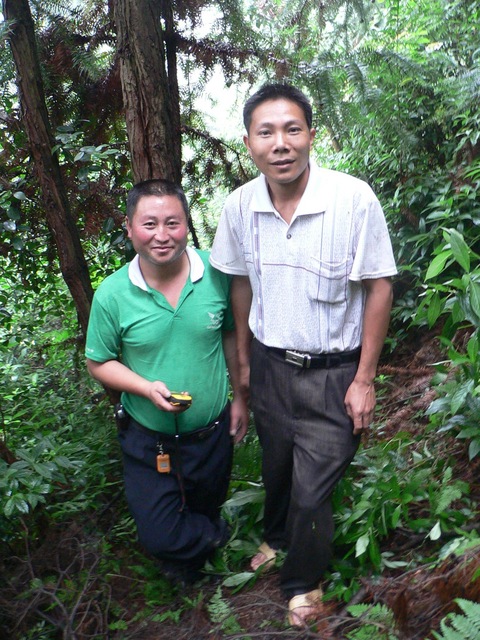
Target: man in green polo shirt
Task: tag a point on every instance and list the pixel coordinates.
(162, 325)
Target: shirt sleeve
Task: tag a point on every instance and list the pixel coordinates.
(227, 253)
(374, 255)
(103, 336)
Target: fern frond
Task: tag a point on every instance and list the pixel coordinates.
(456, 626)
(222, 614)
(218, 607)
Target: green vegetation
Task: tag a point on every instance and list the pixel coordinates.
(461, 627)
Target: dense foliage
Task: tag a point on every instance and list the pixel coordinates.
(395, 86)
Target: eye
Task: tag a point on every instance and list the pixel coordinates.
(294, 129)
(264, 133)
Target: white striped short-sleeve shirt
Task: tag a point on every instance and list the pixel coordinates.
(306, 276)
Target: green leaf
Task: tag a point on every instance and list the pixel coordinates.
(109, 224)
(117, 237)
(438, 264)
(396, 516)
(457, 312)
(239, 579)
(249, 496)
(435, 532)
(16, 503)
(472, 348)
(473, 449)
(362, 544)
(13, 214)
(448, 495)
(434, 309)
(460, 249)
(459, 397)
(474, 297)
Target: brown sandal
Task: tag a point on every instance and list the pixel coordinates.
(312, 601)
(270, 555)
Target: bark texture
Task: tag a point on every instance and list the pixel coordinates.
(150, 94)
(35, 118)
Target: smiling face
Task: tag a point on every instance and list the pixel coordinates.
(279, 142)
(158, 230)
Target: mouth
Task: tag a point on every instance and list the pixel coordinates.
(282, 163)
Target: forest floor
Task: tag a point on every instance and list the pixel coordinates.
(418, 598)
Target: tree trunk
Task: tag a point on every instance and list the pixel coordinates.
(150, 96)
(35, 118)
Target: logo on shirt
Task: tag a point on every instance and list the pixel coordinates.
(216, 320)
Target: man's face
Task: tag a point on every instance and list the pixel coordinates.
(279, 140)
(158, 230)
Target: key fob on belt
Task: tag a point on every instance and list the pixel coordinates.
(180, 399)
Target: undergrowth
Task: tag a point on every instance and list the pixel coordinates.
(66, 469)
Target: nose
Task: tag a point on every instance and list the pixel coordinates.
(280, 141)
(161, 233)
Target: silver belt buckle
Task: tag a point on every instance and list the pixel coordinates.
(298, 359)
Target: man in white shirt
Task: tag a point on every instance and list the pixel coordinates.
(312, 260)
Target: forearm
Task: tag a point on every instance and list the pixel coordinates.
(231, 358)
(360, 398)
(241, 296)
(376, 319)
(239, 410)
(115, 375)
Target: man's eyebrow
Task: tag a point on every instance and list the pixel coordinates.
(174, 214)
(267, 123)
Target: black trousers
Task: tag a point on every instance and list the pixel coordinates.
(307, 443)
(178, 513)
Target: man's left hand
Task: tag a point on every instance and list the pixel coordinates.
(239, 416)
(360, 402)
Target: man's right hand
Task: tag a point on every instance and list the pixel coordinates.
(159, 393)
(116, 375)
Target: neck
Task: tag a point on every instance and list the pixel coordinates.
(168, 279)
(286, 197)
(157, 276)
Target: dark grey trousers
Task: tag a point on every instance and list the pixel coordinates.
(307, 442)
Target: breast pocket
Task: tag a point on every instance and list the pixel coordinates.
(328, 282)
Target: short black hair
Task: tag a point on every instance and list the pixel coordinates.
(277, 91)
(155, 187)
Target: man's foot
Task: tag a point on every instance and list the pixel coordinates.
(180, 574)
(304, 607)
(264, 559)
(224, 532)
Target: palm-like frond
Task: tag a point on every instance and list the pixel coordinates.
(461, 627)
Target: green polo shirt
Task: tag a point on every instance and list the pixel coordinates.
(182, 347)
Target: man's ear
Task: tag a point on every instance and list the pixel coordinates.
(128, 226)
(246, 143)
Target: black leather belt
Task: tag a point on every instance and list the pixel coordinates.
(184, 438)
(317, 360)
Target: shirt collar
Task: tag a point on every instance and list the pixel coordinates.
(313, 198)
(197, 269)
